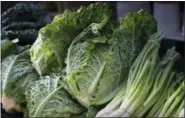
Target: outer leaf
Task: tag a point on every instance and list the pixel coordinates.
(49, 50)
(9, 47)
(134, 33)
(97, 64)
(16, 73)
(45, 99)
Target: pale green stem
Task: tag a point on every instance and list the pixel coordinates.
(180, 108)
(142, 75)
(109, 108)
(159, 103)
(170, 100)
(174, 105)
(131, 98)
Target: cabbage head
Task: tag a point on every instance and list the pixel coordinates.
(48, 97)
(50, 49)
(98, 62)
(16, 73)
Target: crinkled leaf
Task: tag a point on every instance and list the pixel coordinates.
(45, 99)
(49, 50)
(97, 64)
(17, 72)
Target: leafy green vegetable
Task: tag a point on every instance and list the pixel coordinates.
(143, 90)
(26, 36)
(97, 62)
(20, 12)
(172, 102)
(162, 82)
(49, 50)
(6, 47)
(86, 63)
(22, 21)
(16, 73)
(11, 48)
(47, 99)
(157, 107)
(22, 25)
(139, 79)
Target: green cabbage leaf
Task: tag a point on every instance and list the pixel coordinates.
(47, 98)
(50, 49)
(17, 72)
(98, 62)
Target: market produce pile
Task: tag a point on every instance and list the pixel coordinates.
(86, 64)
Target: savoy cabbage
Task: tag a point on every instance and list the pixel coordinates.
(17, 72)
(47, 98)
(97, 63)
(49, 50)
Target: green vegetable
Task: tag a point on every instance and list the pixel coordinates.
(175, 101)
(16, 73)
(20, 12)
(172, 102)
(49, 50)
(22, 26)
(97, 63)
(22, 21)
(47, 99)
(162, 82)
(8, 47)
(144, 91)
(157, 107)
(25, 36)
(181, 114)
(139, 79)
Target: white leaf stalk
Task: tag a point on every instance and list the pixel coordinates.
(181, 113)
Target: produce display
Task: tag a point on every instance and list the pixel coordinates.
(22, 21)
(85, 64)
(144, 91)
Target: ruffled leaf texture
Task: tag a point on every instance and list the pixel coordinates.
(47, 98)
(50, 49)
(17, 72)
(97, 62)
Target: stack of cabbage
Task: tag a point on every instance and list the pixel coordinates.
(86, 64)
